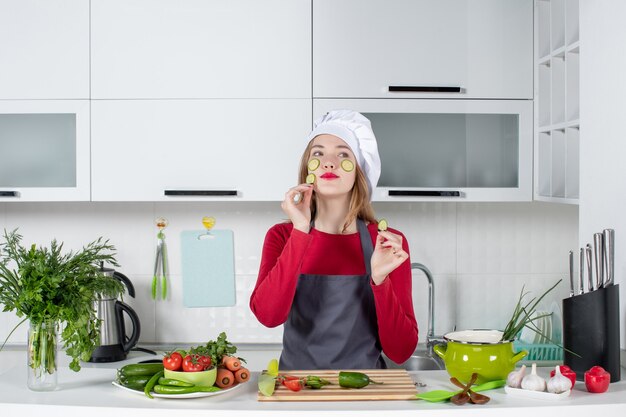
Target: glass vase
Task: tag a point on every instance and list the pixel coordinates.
(42, 356)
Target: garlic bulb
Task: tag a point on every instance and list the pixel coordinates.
(533, 382)
(514, 379)
(559, 383)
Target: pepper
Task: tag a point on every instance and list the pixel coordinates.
(355, 380)
(315, 382)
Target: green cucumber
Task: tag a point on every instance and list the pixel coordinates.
(310, 179)
(140, 369)
(347, 165)
(382, 225)
(313, 164)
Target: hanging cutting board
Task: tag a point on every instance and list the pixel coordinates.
(208, 268)
(397, 385)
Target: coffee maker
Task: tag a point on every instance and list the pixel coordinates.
(114, 342)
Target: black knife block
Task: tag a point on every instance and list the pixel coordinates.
(591, 329)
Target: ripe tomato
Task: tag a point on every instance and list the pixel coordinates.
(293, 384)
(205, 361)
(173, 361)
(192, 364)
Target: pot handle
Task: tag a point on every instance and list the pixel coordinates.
(122, 308)
(440, 350)
(519, 356)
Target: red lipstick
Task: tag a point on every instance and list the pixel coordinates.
(329, 176)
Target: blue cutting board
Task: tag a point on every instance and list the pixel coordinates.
(208, 267)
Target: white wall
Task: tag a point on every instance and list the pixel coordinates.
(480, 254)
(603, 142)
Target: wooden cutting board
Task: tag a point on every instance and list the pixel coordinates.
(397, 385)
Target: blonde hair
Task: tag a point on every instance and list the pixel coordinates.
(360, 206)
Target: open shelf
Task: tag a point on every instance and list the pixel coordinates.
(557, 101)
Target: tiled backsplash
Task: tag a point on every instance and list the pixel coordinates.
(479, 253)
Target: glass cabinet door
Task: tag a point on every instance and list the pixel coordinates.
(44, 146)
(449, 149)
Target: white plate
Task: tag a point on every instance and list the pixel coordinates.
(536, 395)
(180, 396)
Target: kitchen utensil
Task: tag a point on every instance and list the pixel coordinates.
(588, 253)
(571, 273)
(609, 255)
(443, 395)
(208, 268)
(462, 397)
(114, 343)
(598, 245)
(581, 272)
(159, 279)
(478, 351)
(474, 397)
(397, 384)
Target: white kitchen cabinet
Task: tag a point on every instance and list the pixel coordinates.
(44, 146)
(197, 150)
(448, 150)
(484, 48)
(557, 103)
(44, 49)
(200, 49)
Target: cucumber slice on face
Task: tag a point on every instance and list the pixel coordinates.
(310, 179)
(382, 225)
(347, 165)
(313, 164)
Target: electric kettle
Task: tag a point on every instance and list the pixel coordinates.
(114, 343)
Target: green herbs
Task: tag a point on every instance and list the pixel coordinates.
(523, 315)
(216, 349)
(44, 285)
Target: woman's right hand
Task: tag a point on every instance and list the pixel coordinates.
(299, 212)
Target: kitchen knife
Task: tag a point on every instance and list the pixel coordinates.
(588, 253)
(598, 245)
(571, 273)
(581, 272)
(609, 255)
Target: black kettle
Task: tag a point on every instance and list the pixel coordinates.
(114, 343)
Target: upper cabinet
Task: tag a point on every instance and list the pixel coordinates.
(423, 49)
(197, 150)
(44, 146)
(44, 49)
(189, 49)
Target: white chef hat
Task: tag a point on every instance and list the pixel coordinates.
(356, 130)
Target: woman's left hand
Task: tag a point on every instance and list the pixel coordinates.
(388, 255)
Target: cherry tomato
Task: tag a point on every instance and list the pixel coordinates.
(597, 379)
(205, 361)
(293, 384)
(172, 361)
(567, 372)
(192, 364)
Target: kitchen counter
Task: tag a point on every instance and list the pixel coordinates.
(90, 392)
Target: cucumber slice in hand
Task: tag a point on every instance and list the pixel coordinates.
(310, 179)
(382, 225)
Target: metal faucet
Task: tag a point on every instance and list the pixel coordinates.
(431, 340)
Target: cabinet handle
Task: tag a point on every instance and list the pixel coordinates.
(423, 89)
(200, 193)
(420, 193)
(9, 194)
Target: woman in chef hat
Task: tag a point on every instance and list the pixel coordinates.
(341, 287)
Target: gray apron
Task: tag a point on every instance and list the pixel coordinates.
(332, 323)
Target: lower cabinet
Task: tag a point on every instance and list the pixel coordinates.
(197, 150)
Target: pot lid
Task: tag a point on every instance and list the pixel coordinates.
(482, 337)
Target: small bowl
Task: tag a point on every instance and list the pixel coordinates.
(201, 379)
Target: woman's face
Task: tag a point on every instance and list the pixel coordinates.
(333, 176)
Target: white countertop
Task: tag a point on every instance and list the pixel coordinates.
(90, 392)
